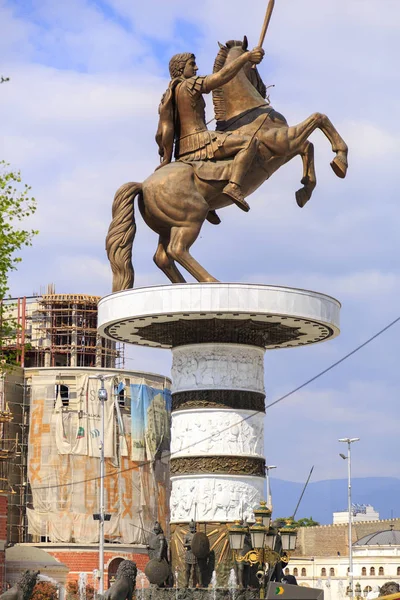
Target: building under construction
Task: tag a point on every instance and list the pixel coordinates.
(60, 330)
(49, 425)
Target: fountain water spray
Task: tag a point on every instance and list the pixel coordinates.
(214, 584)
(232, 584)
(82, 586)
(42, 577)
(176, 584)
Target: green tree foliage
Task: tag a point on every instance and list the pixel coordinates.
(16, 204)
(44, 590)
(304, 522)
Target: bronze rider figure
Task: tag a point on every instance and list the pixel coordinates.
(182, 122)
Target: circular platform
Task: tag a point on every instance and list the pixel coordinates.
(168, 316)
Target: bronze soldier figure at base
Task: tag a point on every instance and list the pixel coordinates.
(191, 561)
(157, 569)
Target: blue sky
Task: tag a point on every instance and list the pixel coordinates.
(79, 116)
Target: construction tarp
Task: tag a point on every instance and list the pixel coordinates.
(64, 465)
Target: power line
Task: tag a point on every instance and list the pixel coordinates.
(300, 387)
(335, 364)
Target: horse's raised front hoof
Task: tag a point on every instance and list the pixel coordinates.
(302, 197)
(339, 166)
(213, 218)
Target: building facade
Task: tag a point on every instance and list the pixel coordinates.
(322, 559)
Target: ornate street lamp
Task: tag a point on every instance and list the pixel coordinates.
(262, 539)
(270, 538)
(264, 512)
(257, 532)
(289, 536)
(237, 533)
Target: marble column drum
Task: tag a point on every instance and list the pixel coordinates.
(217, 454)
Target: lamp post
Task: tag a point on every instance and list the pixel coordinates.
(349, 441)
(267, 470)
(263, 538)
(102, 398)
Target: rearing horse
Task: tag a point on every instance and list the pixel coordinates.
(175, 200)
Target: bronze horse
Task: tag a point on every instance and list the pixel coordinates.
(175, 200)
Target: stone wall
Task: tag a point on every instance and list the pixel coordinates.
(328, 540)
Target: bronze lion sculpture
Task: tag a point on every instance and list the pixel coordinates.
(23, 589)
(388, 588)
(124, 584)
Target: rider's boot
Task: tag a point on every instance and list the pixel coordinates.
(213, 218)
(234, 191)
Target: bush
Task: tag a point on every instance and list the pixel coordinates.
(73, 591)
(44, 590)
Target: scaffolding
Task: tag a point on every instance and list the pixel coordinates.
(14, 421)
(60, 330)
(48, 330)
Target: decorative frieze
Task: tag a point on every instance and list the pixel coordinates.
(214, 498)
(216, 465)
(235, 399)
(218, 366)
(217, 432)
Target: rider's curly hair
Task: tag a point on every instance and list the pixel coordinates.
(178, 62)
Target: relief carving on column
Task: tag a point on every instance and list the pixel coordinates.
(214, 498)
(212, 432)
(218, 366)
(226, 399)
(232, 465)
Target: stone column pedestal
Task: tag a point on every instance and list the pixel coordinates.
(218, 334)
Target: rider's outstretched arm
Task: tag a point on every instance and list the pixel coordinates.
(228, 72)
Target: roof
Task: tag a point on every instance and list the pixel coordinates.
(389, 537)
(31, 554)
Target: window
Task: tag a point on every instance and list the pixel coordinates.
(296, 571)
(398, 570)
(63, 390)
(332, 572)
(372, 571)
(323, 572)
(121, 398)
(363, 571)
(367, 589)
(381, 571)
(287, 571)
(303, 572)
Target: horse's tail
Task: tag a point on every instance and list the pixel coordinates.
(121, 234)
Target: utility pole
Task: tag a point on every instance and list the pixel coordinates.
(269, 498)
(349, 441)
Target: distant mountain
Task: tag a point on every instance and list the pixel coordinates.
(322, 498)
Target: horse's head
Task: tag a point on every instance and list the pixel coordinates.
(244, 91)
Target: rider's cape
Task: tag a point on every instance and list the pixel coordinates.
(167, 123)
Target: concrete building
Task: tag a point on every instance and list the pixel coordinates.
(360, 513)
(321, 558)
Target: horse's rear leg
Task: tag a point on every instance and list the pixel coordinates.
(165, 263)
(181, 240)
(309, 179)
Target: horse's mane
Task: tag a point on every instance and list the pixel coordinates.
(218, 93)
